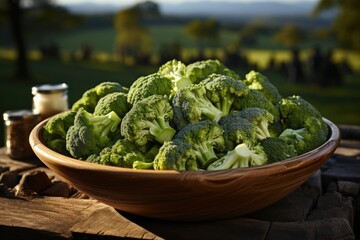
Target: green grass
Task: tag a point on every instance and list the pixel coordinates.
(103, 40)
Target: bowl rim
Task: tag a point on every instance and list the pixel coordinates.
(38, 146)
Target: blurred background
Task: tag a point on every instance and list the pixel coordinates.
(309, 48)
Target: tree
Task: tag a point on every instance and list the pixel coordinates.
(37, 12)
(15, 15)
(132, 38)
(289, 36)
(346, 24)
(203, 31)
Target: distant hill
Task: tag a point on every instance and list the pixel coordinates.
(275, 13)
(208, 8)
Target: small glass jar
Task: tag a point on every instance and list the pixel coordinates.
(50, 99)
(18, 126)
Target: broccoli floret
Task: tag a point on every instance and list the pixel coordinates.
(176, 72)
(253, 98)
(242, 156)
(200, 70)
(222, 91)
(204, 137)
(88, 101)
(91, 97)
(122, 154)
(60, 123)
(56, 144)
(312, 135)
(294, 111)
(277, 149)
(89, 134)
(176, 155)
(103, 157)
(237, 130)
(257, 81)
(148, 121)
(116, 102)
(105, 88)
(146, 86)
(260, 118)
(191, 105)
(54, 131)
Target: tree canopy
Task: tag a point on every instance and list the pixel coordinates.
(346, 24)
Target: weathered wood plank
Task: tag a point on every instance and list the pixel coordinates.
(51, 216)
(107, 221)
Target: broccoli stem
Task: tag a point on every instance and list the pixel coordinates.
(106, 123)
(143, 165)
(161, 130)
(205, 154)
(262, 130)
(209, 110)
(237, 158)
(225, 105)
(181, 83)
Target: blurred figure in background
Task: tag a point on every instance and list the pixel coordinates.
(315, 67)
(295, 68)
(331, 73)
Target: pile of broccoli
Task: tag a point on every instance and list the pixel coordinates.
(201, 116)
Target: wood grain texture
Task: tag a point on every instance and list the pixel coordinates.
(41, 216)
(191, 195)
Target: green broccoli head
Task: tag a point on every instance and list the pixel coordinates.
(88, 101)
(146, 86)
(55, 143)
(54, 131)
(89, 134)
(148, 121)
(176, 155)
(253, 98)
(116, 102)
(60, 123)
(100, 158)
(242, 156)
(222, 91)
(295, 110)
(204, 137)
(277, 149)
(200, 70)
(105, 88)
(257, 81)
(122, 154)
(191, 105)
(176, 72)
(237, 130)
(260, 118)
(312, 135)
(90, 97)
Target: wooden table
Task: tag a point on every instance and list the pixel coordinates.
(327, 206)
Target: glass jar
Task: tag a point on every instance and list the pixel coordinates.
(18, 126)
(50, 99)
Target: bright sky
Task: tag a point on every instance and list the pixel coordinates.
(121, 2)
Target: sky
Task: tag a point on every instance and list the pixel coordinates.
(118, 2)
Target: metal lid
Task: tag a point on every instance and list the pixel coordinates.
(20, 114)
(49, 88)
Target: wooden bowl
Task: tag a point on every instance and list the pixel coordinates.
(187, 196)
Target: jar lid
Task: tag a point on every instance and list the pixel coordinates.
(49, 88)
(20, 114)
